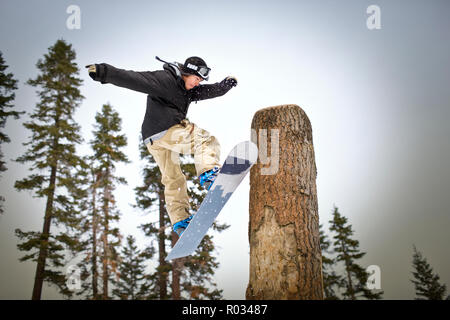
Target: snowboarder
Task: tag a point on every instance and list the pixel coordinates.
(166, 131)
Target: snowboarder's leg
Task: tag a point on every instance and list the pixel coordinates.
(188, 138)
(206, 150)
(174, 181)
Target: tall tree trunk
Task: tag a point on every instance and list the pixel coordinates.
(177, 264)
(94, 264)
(94, 239)
(105, 263)
(285, 255)
(162, 271)
(106, 256)
(43, 250)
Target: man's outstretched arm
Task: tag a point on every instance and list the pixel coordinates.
(144, 82)
(209, 91)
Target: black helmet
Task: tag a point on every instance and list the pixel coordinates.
(197, 66)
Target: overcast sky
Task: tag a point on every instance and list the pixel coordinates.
(378, 101)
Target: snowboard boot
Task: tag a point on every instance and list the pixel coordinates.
(207, 178)
(180, 226)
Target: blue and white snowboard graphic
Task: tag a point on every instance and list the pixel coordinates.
(236, 166)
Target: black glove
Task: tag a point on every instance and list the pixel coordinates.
(231, 81)
(92, 69)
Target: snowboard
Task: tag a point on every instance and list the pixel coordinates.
(235, 168)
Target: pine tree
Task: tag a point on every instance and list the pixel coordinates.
(7, 86)
(426, 282)
(107, 145)
(98, 238)
(132, 283)
(51, 151)
(331, 280)
(190, 275)
(348, 252)
(88, 234)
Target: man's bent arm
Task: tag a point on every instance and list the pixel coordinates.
(209, 91)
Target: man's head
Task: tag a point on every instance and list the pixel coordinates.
(194, 71)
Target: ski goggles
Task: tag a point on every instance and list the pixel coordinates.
(202, 71)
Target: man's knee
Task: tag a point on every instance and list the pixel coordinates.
(174, 182)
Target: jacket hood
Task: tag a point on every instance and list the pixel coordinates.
(172, 69)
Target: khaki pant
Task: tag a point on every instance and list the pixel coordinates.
(184, 138)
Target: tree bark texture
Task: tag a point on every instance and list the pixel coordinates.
(177, 265)
(95, 186)
(163, 266)
(285, 255)
(106, 250)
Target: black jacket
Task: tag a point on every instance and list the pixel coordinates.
(167, 101)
